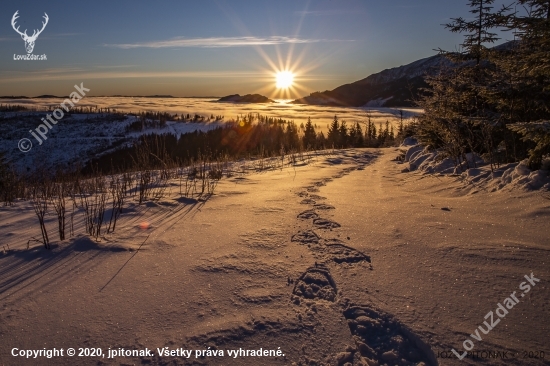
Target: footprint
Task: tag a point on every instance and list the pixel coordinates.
(309, 214)
(341, 253)
(313, 189)
(325, 223)
(323, 207)
(302, 194)
(306, 237)
(316, 197)
(316, 283)
(320, 184)
(307, 201)
(379, 337)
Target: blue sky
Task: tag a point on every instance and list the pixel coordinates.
(214, 48)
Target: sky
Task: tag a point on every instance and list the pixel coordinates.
(216, 48)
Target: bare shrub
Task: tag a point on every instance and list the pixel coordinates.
(93, 197)
(118, 194)
(40, 192)
(58, 200)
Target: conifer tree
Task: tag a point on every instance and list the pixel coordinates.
(291, 136)
(526, 71)
(309, 139)
(461, 117)
(352, 137)
(321, 140)
(333, 137)
(359, 140)
(343, 134)
(479, 30)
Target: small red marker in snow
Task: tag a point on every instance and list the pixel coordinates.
(144, 225)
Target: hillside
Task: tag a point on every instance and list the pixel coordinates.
(395, 87)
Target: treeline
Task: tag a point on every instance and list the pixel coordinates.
(86, 109)
(147, 120)
(13, 108)
(251, 135)
(340, 135)
(496, 101)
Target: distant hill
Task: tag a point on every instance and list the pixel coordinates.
(396, 87)
(48, 96)
(135, 96)
(248, 98)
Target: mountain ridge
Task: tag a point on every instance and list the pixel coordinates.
(393, 87)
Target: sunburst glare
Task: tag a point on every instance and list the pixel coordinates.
(284, 79)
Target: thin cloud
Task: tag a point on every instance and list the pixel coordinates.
(10, 77)
(114, 66)
(217, 42)
(324, 12)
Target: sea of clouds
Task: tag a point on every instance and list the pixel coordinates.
(320, 115)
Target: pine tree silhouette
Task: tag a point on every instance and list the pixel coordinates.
(310, 137)
(333, 137)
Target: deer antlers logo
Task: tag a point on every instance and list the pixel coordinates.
(29, 41)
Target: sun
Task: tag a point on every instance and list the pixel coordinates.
(284, 79)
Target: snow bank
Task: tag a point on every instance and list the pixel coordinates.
(512, 176)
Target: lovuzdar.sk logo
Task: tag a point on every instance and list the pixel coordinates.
(29, 40)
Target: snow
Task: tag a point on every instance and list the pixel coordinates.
(417, 261)
(417, 68)
(510, 176)
(378, 102)
(409, 141)
(178, 128)
(79, 137)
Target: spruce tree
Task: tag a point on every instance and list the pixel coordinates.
(291, 136)
(352, 138)
(333, 137)
(525, 95)
(479, 30)
(309, 139)
(372, 139)
(461, 114)
(343, 134)
(359, 140)
(321, 140)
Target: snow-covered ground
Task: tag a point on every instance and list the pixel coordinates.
(346, 260)
(77, 138)
(476, 172)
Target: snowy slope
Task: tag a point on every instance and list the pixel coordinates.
(342, 260)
